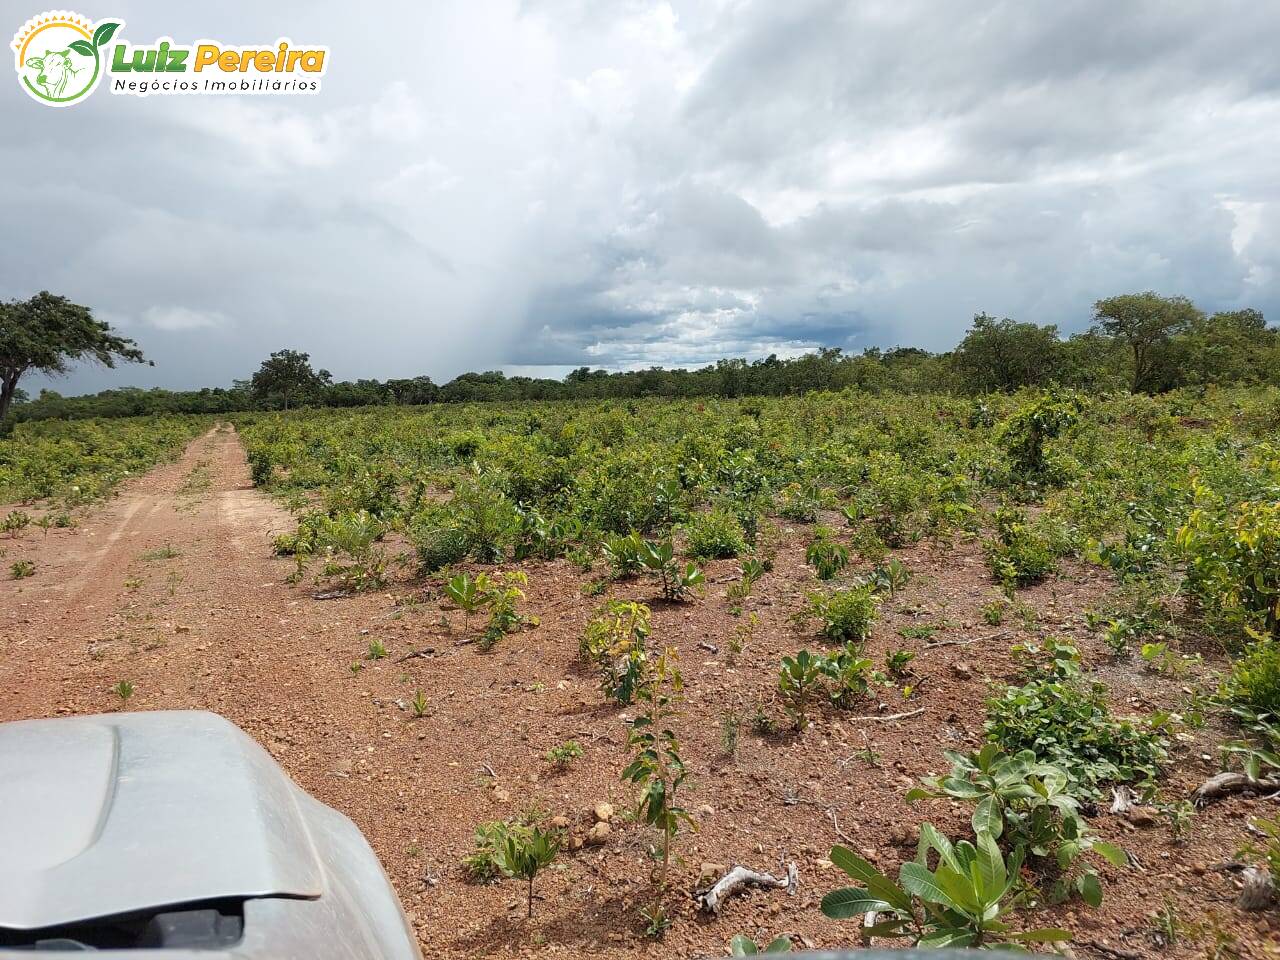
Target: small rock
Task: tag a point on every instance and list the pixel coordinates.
(501, 795)
(598, 834)
(707, 810)
(1141, 817)
(560, 823)
(603, 812)
(962, 668)
(710, 873)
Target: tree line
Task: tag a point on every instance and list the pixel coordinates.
(1143, 342)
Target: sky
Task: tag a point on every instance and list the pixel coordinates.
(539, 185)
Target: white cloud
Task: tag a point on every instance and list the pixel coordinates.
(182, 318)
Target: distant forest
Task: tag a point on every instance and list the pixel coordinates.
(1138, 342)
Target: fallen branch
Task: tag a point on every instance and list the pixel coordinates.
(892, 716)
(739, 878)
(331, 595)
(709, 647)
(424, 652)
(831, 815)
(1225, 784)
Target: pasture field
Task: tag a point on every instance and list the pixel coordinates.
(994, 670)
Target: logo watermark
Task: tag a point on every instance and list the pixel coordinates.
(61, 57)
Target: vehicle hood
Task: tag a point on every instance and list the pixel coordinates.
(105, 815)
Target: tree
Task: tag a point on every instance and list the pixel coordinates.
(48, 333)
(287, 375)
(1147, 324)
(1004, 355)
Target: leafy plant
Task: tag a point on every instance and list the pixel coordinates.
(563, 754)
(962, 902)
(1254, 683)
(797, 678)
(501, 596)
(827, 556)
(658, 769)
(614, 641)
(377, 650)
(15, 522)
(744, 946)
(898, 662)
(1029, 805)
(890, 577)
(677, 581)
(844, 615)
(1066, 720)
(624, 553)
(124, 690)
(1018, 556)
(716, 534)
(467, 595)
(521, 854)
(21, 569)
(1233, 559)
(800, 502)
(419, 704)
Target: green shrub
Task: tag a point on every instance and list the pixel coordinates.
(1233, 561)
(438, 545)
(1019, 556)
(715, 535)
(1025, 434)
(827, 556)
(844, 615)
(1255, 678)
(1066, 721)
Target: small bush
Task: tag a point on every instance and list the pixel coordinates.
(844, 615)
(826, 555)
(715, 535)
(1255, 679)
(1066, 721)
(1019, 556)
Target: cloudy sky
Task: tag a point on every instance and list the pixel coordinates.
(543, 184)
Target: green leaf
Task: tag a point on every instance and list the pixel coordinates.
(850, 902)
(917, 879)
(987, 818)
(779, 945)
(991, 866)
(104, 33)
(742, 946)
(1090, 889)
(82, 47)
(1111, 853)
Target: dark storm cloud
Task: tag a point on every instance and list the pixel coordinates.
(552, 183)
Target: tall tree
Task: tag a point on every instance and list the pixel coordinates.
(287, 376)
(1147, 324)
(48, 333)
(1005, 355)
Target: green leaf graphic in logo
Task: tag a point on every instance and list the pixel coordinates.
(104, 33)
(83, 47)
